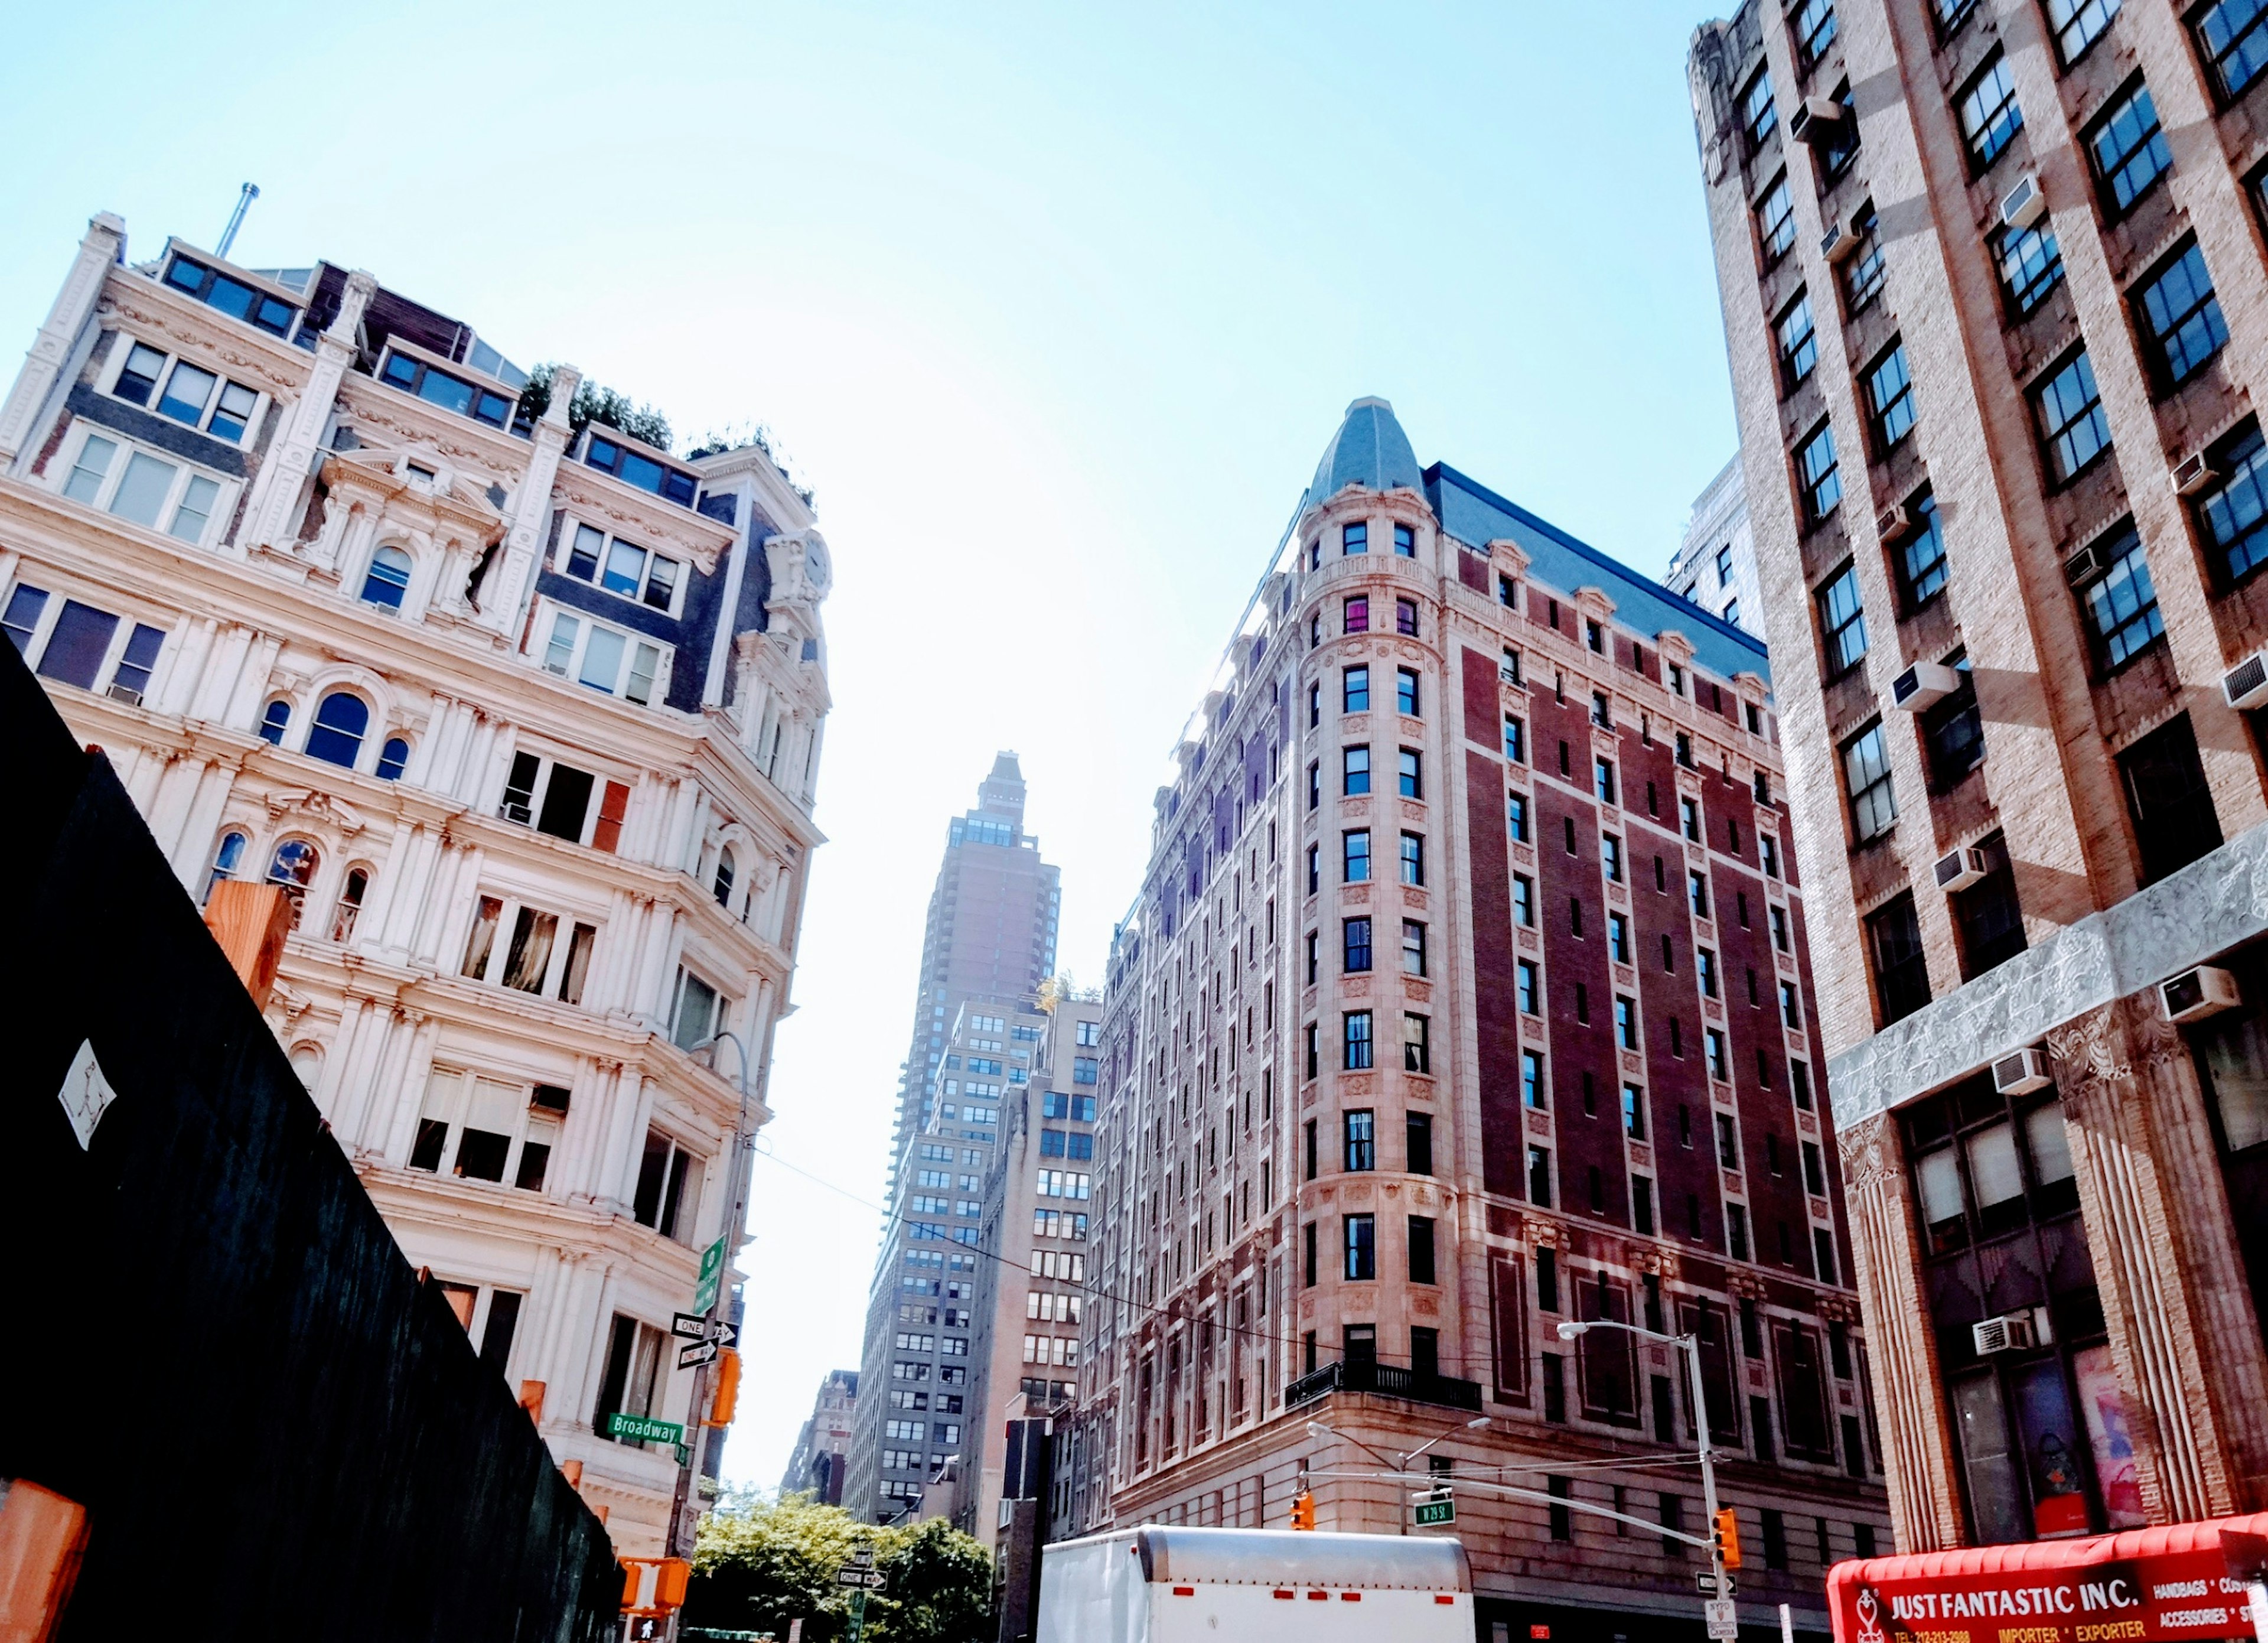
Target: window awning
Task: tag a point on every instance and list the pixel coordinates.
(2176, 1583)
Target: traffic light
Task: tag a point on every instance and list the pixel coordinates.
(1726, 1534)
(1303, 1511)
(728, 1389)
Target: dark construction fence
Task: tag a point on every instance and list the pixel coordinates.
(208, 1336)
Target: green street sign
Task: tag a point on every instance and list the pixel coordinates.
(712, 1269)
(858, 1614)
(1429, 1512)
(644, 1429)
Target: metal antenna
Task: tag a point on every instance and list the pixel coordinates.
(244, 196)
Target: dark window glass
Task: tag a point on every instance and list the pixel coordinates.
(2167, 800)
(1987, 915)
(1814, 23)
(1953, 731)
(1776, 220)
(1921, 555)
(2078, 24)
(2031, 263)
(1843, 622)
(1862, 278)
(1356, 947)
(2234, 42)
(2182, 318)
(341, 721)
(1990, 115)
(1901, 972)
(2122, 606)
(75, 647)
(1867, 775)
(1822, 485)
(1758, 118)
(1799, 342)
(1890, 398)
(2235, 510)
(2074, 430)
(2127, 148)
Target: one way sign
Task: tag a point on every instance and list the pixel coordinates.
(692, 1326)
(699, 1353)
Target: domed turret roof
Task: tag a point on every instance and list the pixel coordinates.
(1370, 450)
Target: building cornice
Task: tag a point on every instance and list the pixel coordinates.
(2182, 921)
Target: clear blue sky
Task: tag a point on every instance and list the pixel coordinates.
(1056, 306)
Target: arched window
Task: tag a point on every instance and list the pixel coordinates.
(275, 722)
(294, 868)
(392, 759)
(349, 908)
(387, 580)
(724, 885)
(340, 721)
(225, 860)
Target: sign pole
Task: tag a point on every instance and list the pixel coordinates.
(857, 1615)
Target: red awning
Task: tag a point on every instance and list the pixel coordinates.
(2167, 1585)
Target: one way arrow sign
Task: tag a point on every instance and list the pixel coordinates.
(698, 1353)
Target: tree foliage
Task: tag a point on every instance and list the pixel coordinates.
(593, 402)
(760, 1563)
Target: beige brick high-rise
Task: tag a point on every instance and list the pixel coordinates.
(1995, 304)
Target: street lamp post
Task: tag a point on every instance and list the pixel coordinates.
(1691, 1345)
(1400, 1463)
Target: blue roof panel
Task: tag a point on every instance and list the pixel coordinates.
(1475, 515)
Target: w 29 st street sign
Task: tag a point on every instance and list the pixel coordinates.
(1426, 1513)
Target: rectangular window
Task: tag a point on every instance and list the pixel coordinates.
(1413, 947)
(2031, 264)
(1867, 779)
(1418, 1133)
(1863, 276)
(1900, 971)
(1417, 1044)
(1361, 1247)
(1990, 115)
(1618, 941)
(1823, 482)
(1356, 1034)
(1354, 691)
(1799, 342)
(1814, 23)
(2235, 511)
(1355, 614)
(1405, 617)
(1354, 538)
(1720, 1066)
(1539, 1176)
(1354, 770)
(1413, 859)
(1697, 893)
(1626, 1022)
(1355, 947)
(1515, 740)
(1953, 731)
(2078, 24)
(1409, 773)
(1776, 220)
(1523, 901)
(2122, 605)
(1405, 542)
(1890, 398)
(668, 1193)
(620, 567)
(2235, 41)
(1361, 1139)
(1843, 621)
(1421, 1249)
(2127, 149)
(2068, 408)
(1405, 692)
(1533, 1095)
(1758, 118)
(2182, 318)
(2168, 801)
(1355, 859)
(1634, 1112)
(1920, 557)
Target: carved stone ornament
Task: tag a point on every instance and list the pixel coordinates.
(313, 805)
(197, 342)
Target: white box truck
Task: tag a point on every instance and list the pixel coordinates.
(1159, 1584)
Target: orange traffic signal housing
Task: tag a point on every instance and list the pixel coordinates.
(667, 1590)
(1303, 1511)
(1729, 1537)
(727, 1395)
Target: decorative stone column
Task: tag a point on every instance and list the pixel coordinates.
(2184, 1337)
(294, 455)
(1918, 1452)
(51, 349)
(503, 592)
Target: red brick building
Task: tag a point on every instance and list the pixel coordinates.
(1996, 302)
(1465, 995)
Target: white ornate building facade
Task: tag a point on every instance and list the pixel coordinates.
(526, 717)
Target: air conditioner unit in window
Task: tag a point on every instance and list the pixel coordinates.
(1841, 240)
(1923, 684)
(2021, 1073)
(2192, 474)
(2010, 1332)
(2198, 992)
(2024, 204)
(1959, 869)
(1817, 121)
(2084, 566)
(2246, 684)
(1894, 524)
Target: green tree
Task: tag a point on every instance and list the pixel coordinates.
(760, 1563)
(593, 402)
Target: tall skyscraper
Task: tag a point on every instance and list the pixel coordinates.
(1715, 564)
(988, 945)
(524, 716)
(1465, 999)
(816, 1466)
(1996, 305)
